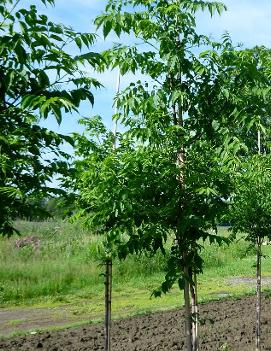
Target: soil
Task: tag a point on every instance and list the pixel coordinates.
(225, 325)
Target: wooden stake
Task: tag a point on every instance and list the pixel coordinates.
(259, 277)
(107, 299)
(258, 302)
(194, 299)
(108, 262)
(187, 306)
(115, 122)
(259, 142)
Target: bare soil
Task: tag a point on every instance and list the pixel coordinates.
(225, 325)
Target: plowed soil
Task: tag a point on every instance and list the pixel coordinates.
(225, 325)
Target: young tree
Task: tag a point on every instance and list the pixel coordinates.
(38, 77)
(102, 196)
(168, 124)
(251, 88)
(251, 213)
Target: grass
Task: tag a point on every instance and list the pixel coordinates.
(15, 322)
(66, 271)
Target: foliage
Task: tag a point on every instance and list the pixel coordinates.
(100, 185)
(175, 183)
(37, 78)
(241, 93)
(251, 204)
(132, 194)
(59, 207)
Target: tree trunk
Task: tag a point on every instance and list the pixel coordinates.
(194, 298)
(258, 302)
(178, 120)
(108, 295)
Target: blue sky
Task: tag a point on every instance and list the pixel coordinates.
(247, 21)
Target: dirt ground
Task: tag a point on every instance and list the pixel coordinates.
(226, 325)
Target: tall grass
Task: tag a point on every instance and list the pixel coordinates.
(64, 263)
(67, 264)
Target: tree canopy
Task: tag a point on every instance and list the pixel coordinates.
(38, 77)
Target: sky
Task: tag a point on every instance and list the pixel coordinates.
(247, 21)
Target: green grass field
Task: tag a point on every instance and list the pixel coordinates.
(66, 270)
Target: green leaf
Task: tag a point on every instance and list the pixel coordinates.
(107, 28)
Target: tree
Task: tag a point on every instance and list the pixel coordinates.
(166, 175)
(102, 195)
(38, 77)
(131, 196)
(251, 213)
(249, 91)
